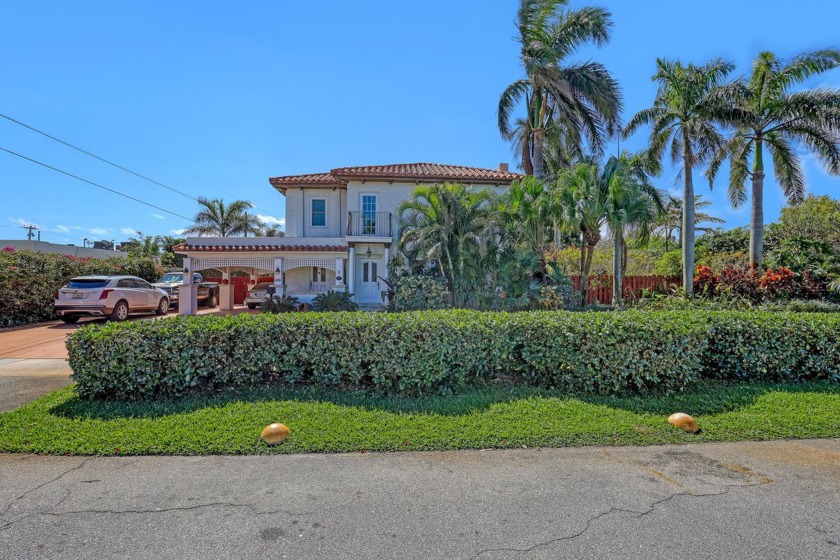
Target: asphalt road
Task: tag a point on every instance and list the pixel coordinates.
(745, 500)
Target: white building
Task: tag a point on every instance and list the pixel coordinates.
(341, 228)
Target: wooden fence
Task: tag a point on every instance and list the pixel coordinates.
(240, 285)
(600, 286)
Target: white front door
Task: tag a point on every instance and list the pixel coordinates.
(369, 291)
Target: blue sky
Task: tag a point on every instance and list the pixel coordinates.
(212, 98)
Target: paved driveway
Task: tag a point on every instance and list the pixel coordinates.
(745, 500)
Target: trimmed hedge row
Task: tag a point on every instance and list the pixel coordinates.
(444, 350)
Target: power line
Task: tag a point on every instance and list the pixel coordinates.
(102, 159)
(94, 184)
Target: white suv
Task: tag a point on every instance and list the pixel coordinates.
(108, 296)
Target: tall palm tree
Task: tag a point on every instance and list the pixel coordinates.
(633, 205)
(670, 220)
(682, 119)
(448, 223)
(582, 97)
(217, 219)
(766, 113)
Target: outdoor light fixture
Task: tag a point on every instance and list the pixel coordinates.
(369, 252)
(186, 270)
(277, 270)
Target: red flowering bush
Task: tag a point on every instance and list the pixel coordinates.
(740, 282)
(705, 282)
(781, 283)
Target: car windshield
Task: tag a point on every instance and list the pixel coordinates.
(261, 286)
(172, 277)
(87, 283)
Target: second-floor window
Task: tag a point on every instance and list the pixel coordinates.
(319, 212)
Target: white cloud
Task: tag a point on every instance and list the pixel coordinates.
(128, 231)
(21, 222)
(177, 231)
(271, 220)
(99, 231)
(158, 216)
(62, 229)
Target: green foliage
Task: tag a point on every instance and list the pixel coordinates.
(334, 301)
(28, 280)
(280, 304)
(669, 264)
(447, 350)
(724, 241)
(418, 293)
(816, 217)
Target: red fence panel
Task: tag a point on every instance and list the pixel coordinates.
(600, 286)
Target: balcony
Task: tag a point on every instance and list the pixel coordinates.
(368, 224)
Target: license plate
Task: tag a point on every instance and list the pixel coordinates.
(78, 295)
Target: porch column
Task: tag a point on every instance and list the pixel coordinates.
(226, 291)
(351, 272)
(339, 274)
(188, 292)
(387, 260)
(279, 272)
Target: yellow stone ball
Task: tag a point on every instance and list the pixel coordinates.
(275, 433)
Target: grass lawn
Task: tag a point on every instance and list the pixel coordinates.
(325, 422)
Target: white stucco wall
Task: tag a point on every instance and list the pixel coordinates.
(299, 212)
(297, 280)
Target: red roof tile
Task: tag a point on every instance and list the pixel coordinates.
(427, 172)
(233, 247)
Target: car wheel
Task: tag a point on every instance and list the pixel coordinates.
(163, 307)
(120, 312)
(252, 306)
(213, 300)
(69, 318)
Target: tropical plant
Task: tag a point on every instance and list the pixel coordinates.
(632, 207)
(143, 246)
(334, 301)
(670, 220)
(448, 224)
(280, 304)
(682, 120)
(583, 199)
(217, 219)
(581, 98)
(765, 113)
(269, 231)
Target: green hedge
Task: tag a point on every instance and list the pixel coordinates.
(28, 280)
(446, 350)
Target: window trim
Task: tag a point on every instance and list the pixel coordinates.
(312, 212)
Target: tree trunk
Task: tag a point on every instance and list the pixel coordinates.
(688, 218)
(538, 162)
(757, 214)
(583, 281)
(618, 267)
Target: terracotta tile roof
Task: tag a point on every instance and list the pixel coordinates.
(233, 247)
(303, 180)
(429, 172)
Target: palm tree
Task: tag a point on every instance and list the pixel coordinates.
(582, 97)
(633, 205)
(670, 220)
(766, 113)
(683, 118)
(583, 200)
(216, 219)
(270, 231)
(448, 223)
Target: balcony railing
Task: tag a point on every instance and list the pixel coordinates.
(369, 224)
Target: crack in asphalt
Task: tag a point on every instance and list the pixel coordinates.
(635, 515)
(178, 508)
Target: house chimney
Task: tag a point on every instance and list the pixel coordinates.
(503, 167)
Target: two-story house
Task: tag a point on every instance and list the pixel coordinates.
(341, 229)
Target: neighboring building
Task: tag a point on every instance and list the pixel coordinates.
(72, 250)
(340, 229)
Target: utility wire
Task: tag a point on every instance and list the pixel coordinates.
(94, 184)
(69, 145)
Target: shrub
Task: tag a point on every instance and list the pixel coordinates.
(334, 301)
(417, 293)
(280, 304)
(669, 264)
(28, 280)
(446, 350)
